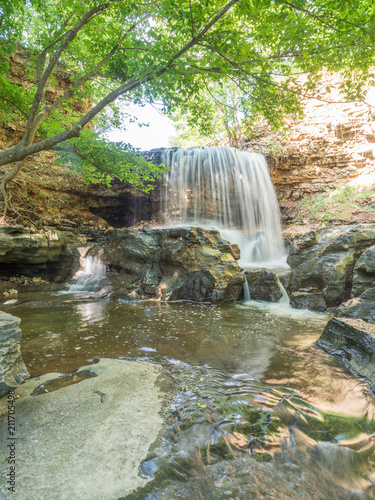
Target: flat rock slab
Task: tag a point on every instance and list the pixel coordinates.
(353, 341)
(87, 440)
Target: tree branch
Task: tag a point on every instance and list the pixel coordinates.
(22, 150)
(322, 21)
(30, 126)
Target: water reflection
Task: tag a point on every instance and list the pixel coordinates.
(91, 313)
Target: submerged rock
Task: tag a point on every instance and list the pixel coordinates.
(12, 368)
(353, 342)
(174, 264)
(264, 285)
(324, 261)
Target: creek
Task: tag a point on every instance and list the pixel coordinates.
(258, 408)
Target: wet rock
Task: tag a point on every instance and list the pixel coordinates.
(364, 272)
(284, 278)
(324, 260)
(353, 342)
(49, 254)
(311, 299)
(174, 264)
(264, 285)
(12, 369)
(362, 307)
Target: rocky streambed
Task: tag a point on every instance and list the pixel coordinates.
(249, 391)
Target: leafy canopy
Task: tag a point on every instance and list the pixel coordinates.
(190, 55)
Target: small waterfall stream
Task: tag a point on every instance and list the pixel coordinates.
(90, 276)
(228, 190)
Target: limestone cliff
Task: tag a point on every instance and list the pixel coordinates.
(333, 143)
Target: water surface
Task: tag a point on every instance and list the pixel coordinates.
(252, 389)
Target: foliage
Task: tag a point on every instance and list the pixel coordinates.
(291, 43)
(100, 160)
(215, 115)
(338, 203)
(194, 57)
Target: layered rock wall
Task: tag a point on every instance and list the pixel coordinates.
(333, 143)
(50, 254)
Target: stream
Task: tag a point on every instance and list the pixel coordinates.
(259, 411)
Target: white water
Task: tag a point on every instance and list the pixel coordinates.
(90, 275)
(228, 190)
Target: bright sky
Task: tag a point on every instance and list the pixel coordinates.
(157, 135)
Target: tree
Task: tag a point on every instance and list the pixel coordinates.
(171, 51)
(216, 115)
(294, 44)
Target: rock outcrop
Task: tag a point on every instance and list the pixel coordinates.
(12, 369)
(174, 264)
(49, 254)
(308, 298)
(326, 265)
(364, 272)
(353, 342)
(263, 285)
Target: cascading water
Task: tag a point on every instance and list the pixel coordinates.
(90, 276)
(228, 190)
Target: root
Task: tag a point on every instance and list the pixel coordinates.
(5, 193)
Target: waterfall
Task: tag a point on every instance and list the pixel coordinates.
(90, 276)
(228, 190)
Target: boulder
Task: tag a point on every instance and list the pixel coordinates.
(174, 264)
(50, 254)
(264, 285)
(12, 369)
(323, 261)
(362, 307)
(353, 342)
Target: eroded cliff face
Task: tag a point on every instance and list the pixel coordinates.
(334, 143)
